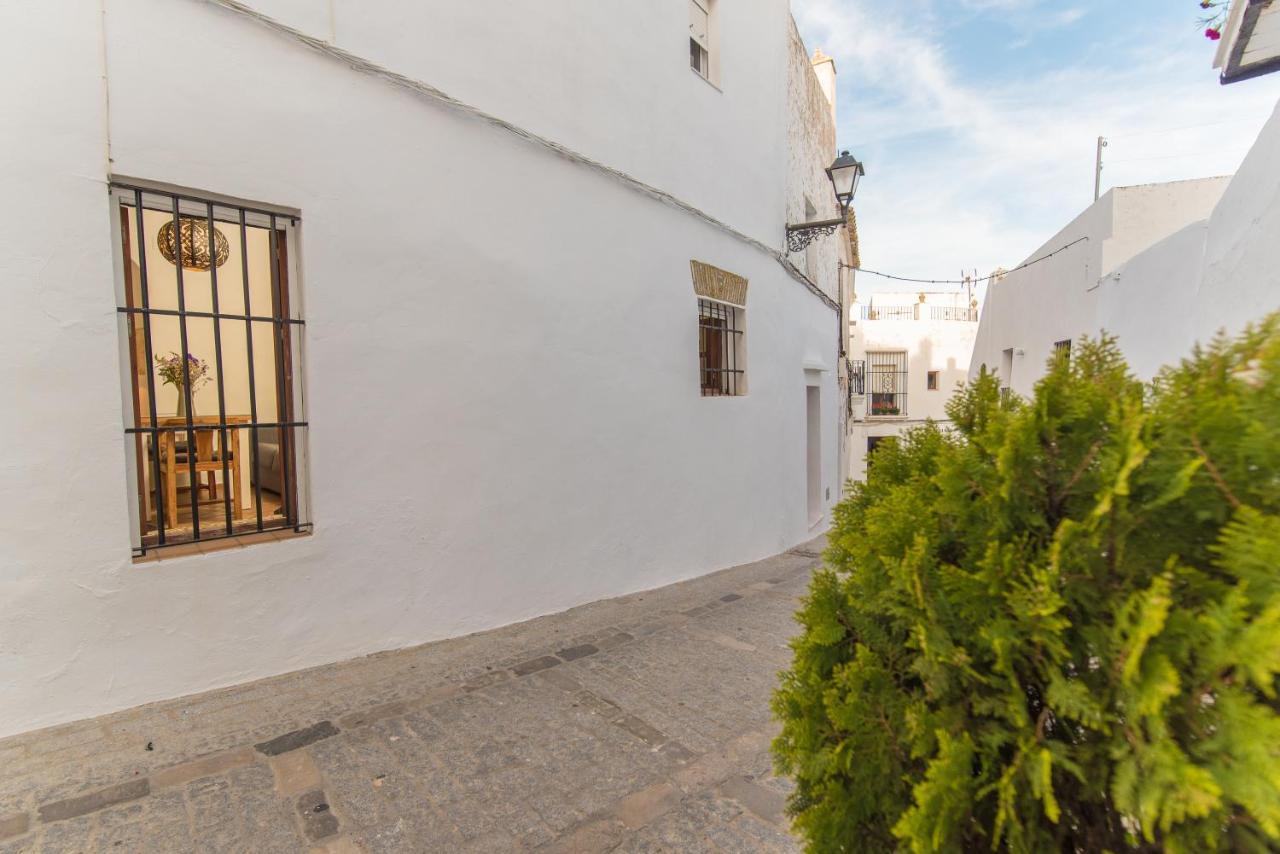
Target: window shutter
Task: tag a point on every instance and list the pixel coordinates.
(699, 25)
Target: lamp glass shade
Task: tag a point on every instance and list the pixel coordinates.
(844, 174)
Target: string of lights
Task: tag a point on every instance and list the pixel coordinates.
(972, 281)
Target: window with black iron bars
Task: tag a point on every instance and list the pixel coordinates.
(177, 291)
(720, 368)
(887, 382)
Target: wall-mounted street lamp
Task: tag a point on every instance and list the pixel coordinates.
(844, 173)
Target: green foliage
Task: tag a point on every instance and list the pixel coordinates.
(1055, 627)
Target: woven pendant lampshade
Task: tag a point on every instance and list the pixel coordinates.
(195, 243)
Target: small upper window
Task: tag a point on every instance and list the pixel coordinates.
(1062, 349)
(700, 37)
(932, 379)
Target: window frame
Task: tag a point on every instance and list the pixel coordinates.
(704, 52)
(699, 59)
(727, 323)
(134, 308)
(889, 370)
(931, 380)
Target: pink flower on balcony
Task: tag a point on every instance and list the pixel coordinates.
(1212, 34)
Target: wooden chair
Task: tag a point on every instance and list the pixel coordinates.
(208, 463)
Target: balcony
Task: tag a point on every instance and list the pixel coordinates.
(887, 404)
(919, 311)
(888, 312)
(857, 377)
(953, 312)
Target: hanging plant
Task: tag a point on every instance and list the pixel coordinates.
(1214, 19)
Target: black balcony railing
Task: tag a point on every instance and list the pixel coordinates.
(857, 377)
(888, 312)
(888, 403)
(951, 312)
(918, 312)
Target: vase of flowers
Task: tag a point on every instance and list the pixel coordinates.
(171, 373)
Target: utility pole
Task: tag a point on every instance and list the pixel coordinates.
(1097, 168)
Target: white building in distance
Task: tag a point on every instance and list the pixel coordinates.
(1030, 311)
(336, 327)
(909, 351)
(1160, 266)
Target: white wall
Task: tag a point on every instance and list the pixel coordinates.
(608, 78)
(1217, 274)
(1029, 309)
(1240, 278)
(501, 347)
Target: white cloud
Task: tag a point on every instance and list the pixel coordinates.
(1067, 17)
(963, 173)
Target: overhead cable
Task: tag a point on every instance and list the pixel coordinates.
(970, 281)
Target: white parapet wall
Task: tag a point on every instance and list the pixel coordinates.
(501, 343)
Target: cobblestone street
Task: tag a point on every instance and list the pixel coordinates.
(634, 724)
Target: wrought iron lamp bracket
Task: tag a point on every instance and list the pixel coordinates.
(801, 235)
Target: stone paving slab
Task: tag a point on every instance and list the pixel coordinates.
(633, 724)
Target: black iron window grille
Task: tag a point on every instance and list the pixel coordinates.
(887, 383)
(721, 370)
(1062, 349)
(206, 306)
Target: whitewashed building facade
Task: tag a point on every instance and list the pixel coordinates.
(486, 315)
(1160, 266)
(909, 351)
(1033, 310)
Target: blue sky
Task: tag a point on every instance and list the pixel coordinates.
(978, 119)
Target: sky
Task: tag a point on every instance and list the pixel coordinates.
(978, 119)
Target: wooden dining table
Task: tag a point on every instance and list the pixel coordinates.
(208, 459)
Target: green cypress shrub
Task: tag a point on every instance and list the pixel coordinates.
(1055, 627)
